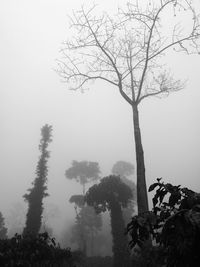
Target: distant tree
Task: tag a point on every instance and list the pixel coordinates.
(50, 212)
(125, 51)
(16, 219)
(87, 225)
(3, 229)
(83, 172)
(78, 235)
(38, 191)
(112, 194)
(123, 168)
(174, 224)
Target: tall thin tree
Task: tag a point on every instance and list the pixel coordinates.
(39, 189)
(125, 51)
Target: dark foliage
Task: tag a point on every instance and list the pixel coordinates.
(3, 229)
(38, 191)
(174, 224)
(33, 251)
(112, 194)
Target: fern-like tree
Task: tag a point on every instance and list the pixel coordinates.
(35, 195)
(125, 51)
(112, 194)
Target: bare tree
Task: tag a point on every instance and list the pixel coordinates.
(126, 51)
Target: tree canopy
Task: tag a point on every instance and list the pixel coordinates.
(110, 189)
(123, 168)
(83, 172)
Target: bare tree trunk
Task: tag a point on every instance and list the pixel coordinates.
(142, 199)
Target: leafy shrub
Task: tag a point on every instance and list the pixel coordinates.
(173, 224)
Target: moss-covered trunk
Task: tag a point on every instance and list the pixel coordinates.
(35, 195)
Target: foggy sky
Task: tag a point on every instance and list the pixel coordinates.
(94, 126)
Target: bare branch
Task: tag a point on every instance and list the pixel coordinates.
(162, 85)
(126, 50)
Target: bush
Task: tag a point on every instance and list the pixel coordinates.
(33, 251)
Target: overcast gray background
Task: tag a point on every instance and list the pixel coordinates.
(96, 125)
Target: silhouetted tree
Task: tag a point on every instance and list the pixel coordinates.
(125, 51)
(3, 229)
(83, 172)
(38, 191)
(112, 194)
